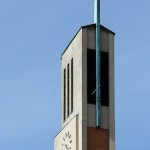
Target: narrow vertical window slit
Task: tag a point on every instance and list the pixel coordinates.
(68, 87)
(72, 85)
(64, 95)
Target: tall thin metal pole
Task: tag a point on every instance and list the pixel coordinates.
(98, 58)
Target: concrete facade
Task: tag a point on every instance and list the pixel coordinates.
(84, 113)
(68, 135)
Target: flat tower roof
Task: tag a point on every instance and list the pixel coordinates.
(86, 26)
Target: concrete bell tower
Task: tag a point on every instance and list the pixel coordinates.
(88, 115)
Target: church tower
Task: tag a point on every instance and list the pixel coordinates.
(79, 130)
(88, 123)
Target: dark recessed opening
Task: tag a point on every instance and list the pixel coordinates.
(91, 77)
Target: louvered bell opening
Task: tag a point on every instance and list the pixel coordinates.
(104, 78)
(91, 77)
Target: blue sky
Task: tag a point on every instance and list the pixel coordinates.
(33, 35)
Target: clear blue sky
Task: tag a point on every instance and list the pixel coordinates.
(33, 34)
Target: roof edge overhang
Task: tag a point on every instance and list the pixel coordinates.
(83, 27)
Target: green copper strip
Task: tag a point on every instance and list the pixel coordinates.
(98, 58)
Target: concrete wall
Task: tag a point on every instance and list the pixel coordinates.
(111, 94)
(107, 113)
(73, 51)
(77, 50)
(84, 89)
(68, 135)
(91, 108)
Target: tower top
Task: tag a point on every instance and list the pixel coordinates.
(83, 27)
